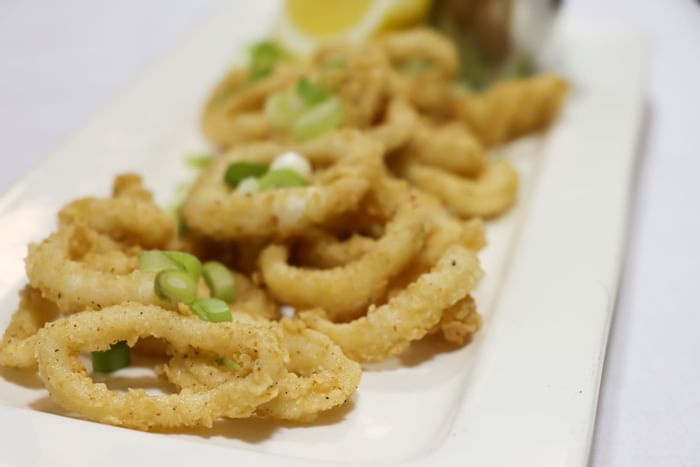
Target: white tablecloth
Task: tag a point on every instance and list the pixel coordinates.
(61, 61)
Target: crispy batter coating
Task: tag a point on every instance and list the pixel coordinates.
(490, 194)
(346, 163)
(409, 315)
(129, 215)
(60, 343)
(234, 111)
(513, 108)
(319, 376)
(459, 322)
(54, 268)
(449, 146)
(18, 344)
(345, 291)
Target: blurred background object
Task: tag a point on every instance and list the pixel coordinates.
(496, 38)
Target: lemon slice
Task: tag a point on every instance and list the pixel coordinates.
(307, 23)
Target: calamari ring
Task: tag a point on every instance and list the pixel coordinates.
(422, 43)
(512, 108)
(319, 375)
(409, 315)
(459, 322)
(130, 215)
(60, 343)
(448, 146)
(74, 285)
(488, 195)
(364, 280)
(346, 164)
(361, 82)
(18, 344)
(397, 127)
(443, 230)
(234, 112)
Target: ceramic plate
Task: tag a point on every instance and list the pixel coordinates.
(523, 393)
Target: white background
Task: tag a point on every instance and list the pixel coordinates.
(61, 61)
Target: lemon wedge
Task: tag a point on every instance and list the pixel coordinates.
(307, 23)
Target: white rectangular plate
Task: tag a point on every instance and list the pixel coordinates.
(523, 393)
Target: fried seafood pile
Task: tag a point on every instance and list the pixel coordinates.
(350, 188)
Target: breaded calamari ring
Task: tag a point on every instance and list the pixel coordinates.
(359, 75)
(345, 291)
(512, 108)
(397, 127)
(76, 286)
(449, 146)
(459, 322)
(234, 112)
(18, 344)
(129, 215)
(319, 376)
(425, 44)
(409, 315)
(488, 195)
(58, 354)
(443, 230)
(346, 164)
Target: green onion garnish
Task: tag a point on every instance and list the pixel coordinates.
(176, 286)
(238, 171)
(228, 363)
(220, 281)
(282, 108)
(211, 309)
(318, 120)
(118, 356)
(312, 94)
(334, 63)
(155, 261)
(282, 178)
(264, 56)
(198, 161)
(186, 262)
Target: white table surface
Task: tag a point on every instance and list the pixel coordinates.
(61, 61)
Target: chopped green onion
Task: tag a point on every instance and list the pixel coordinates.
(282, 178)
(222, 98)
(334, 63)
(414, 65)
(186, 262)
(176, 286)
(318, 120)
(118, 356)
(182, 228)
(282, 108)
(211, 309)
(238, 171)
(228, 363)
(311, 93)
(264, 56)
(221, 283)
(155, 261)
(198, 161)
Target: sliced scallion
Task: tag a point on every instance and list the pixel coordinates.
(186, 262)
(221, 283)
(198, 161)
(211, 309)
(311, 93)
(282, 178)
(228, 363)
(176, 286)
(238, 171)
(264, 56)
(155, 261)
(318, 120)
(118, 356)
(282, 108)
